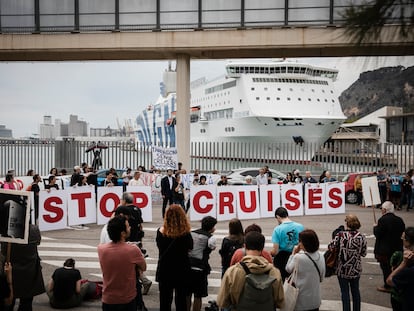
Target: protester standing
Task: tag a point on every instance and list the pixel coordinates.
(402, 278)
(174, 242)
(285, 236)
(120, 262)
(231, 243)
(167, 183)
(388, 233)
(311, 270)
(351, 246)
(232, 285)
(204, 244)
(27, 271)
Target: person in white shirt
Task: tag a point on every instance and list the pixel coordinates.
(261, 179)
(136, 180)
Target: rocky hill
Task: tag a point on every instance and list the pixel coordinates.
(388, 86)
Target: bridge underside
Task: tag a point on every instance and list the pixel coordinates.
(206, 44)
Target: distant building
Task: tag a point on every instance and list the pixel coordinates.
(104, 132)
(5, 132)
(47, 129)
(400, 128)
(75, 127)
(371, 128)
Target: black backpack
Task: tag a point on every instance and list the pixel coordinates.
(257, 293)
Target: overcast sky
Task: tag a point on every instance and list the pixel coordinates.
(101, 92)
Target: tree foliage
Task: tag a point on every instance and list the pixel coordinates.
(365, 22)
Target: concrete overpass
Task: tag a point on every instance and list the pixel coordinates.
(284, 38)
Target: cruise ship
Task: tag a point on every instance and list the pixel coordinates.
(273, 101)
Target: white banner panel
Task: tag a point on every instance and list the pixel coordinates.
(315, 199)
(203, 202)
(292, 198)
(142, 200)
(248, 206)
(108, 200)
(52, 210)
(335, 198)
(226, 202)
(81, 206)
(269, 200)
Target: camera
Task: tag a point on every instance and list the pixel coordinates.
(212, 306)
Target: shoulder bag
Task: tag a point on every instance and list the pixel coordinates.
(290, 290)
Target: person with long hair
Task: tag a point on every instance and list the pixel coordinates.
(174, 242)
(311, 270)
(231, 243)
(352, 245)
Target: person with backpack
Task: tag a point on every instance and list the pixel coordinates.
(204, 244)
(230, 243)
(239, 288)
(310, 265)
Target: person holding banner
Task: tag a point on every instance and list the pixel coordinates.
(285, 237)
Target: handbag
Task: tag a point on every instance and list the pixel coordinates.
(291, 291)
(331, 261)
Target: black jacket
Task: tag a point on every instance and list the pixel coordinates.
(388, 233)
(165, 187)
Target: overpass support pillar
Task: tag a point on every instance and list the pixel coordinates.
(183, 110)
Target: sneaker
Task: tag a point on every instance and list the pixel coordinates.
(146, 285)
(383, 289)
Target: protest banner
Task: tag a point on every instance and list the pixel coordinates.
(14, 216)
(203, 202)
(142, 200)
(52, 210)
(60, 208)
(81, 206)
(164, 158)
(370, 191)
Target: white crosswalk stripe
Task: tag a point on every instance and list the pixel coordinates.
(54, 253)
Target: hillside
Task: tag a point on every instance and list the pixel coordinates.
(388, 86)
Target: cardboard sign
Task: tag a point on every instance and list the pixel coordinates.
(370, 191)
(14, 216)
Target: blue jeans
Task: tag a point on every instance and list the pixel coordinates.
(345, 285)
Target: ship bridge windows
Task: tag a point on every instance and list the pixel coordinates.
(221, 87)
(288, 80)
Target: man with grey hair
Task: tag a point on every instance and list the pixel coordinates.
(388, 233)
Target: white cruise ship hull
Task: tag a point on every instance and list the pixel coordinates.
(282, 103)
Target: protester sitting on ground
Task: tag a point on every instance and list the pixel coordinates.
(64, 288)
(310, 265)
(233, 282)
(402, 277)
(241, 252)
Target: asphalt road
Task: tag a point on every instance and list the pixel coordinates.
(58, 245)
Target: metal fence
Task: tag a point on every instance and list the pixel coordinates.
(338, 157)
(35, 16)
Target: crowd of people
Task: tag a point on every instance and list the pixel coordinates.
(185, 252)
